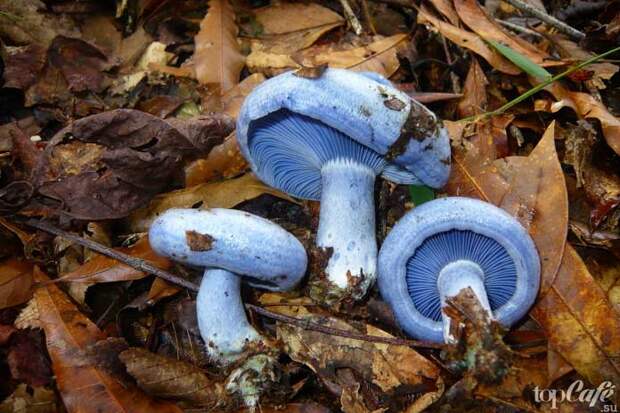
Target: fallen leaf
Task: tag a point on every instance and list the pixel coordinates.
(580, 323)
(469, 41)
(393, 369)
(168, 378)
(27, 359)
(22, 22)
(69, 334)
(472, 14)
(474, 100)
(446, 8)
(30, 400)
(22, 64)
(102, 269)
(587, 107)
(531, 188)
(292, 17)
(223, 162)
(223, 194)
(289, 43)
(119, 160)
(15, 282)
(217, 58)
(292, 408)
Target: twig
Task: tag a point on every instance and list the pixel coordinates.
(519, 29)
(308, 325)
(351, 17)
(550, 20)
(133, 262)
(368, 17)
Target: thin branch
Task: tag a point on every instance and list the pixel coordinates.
(351, 17)
(133, 262)
(519, 29)
(308, 325)
(550, 20)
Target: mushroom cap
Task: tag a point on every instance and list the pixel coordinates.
(361, 106)
(237, 241)
(445, 230)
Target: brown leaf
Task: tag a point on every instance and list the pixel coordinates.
(288, 43)
(26, 399)
(291, 408)
(469, 41)
(102, 269)
(392, 369)
(168, 378)
(15, 282)
(473, 15)
(224, 194)
(474, 101)
(588, 107)
(119, 159)
(580, 323)
(292, 17)
(224, 161)
(531, 188)
(22, 64)
(446, 8)
(217, 58)
(82, 382)
(28, 360)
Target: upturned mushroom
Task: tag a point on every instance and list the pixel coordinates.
(447, 245)
(326, 139)
(230, 245)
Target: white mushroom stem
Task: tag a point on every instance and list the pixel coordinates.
(452, 279)
(347, 224)
(222, 321)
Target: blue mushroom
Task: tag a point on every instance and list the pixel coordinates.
(326, 139)
(229, 244)
(449, 244)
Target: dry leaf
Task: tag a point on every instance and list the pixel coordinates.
(288, 43)
(160, 289)
(469, 41)
(15, 282)
(102, 269)
(168, 378)
(391, 368)
(588, 107)
(446, 8)
(291, 17)
(530, 188)
(217, 59)
(30, 400)
(472, 14)
(224, 161)
(83, 383)
(224, 194)
(580, 323)
(474, 100)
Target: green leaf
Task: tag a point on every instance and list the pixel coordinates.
(523, 62)
(420, 194)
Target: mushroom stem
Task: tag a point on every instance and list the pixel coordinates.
(347, 224)
(222, 321)
(455, 277)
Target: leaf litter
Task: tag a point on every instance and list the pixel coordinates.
(110, 117)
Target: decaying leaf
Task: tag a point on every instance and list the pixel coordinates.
(70, 338)
(28, 400)
(106, 165)
(530, 188)
(101, 269)
(223, 194)
(292, 17)
(15, 282)
(347, 363)
(217, 59)
(173, 379)
(588, 107)
(473, 15)
(580, 323)
(469, 41)
(474, 101)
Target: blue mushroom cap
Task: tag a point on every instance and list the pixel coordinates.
(450, 230)
(242, 243)
(290, 126)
